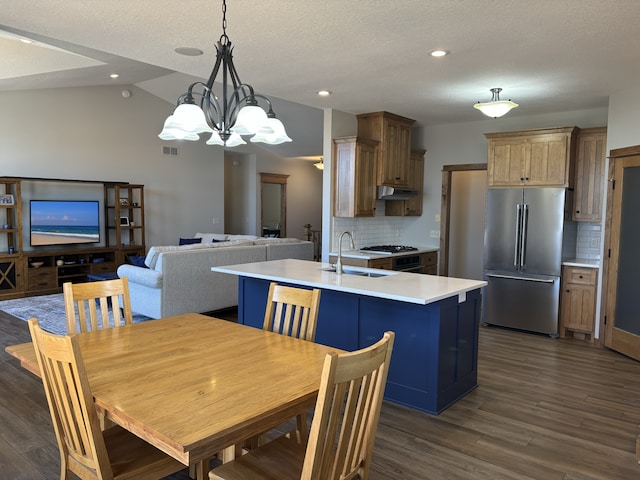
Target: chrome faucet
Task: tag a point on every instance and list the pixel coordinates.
(353, 246)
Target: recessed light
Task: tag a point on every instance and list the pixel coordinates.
(114, 75)
(324, 93)
(189, 51)
(439, 53)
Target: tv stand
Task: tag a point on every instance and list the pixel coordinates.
(70, 265)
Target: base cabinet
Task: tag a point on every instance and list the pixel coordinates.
(52, 269)
(435, 354)
(578, 302)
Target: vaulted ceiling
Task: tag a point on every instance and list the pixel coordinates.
(548, 56)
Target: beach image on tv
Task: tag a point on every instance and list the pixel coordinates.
(64, 222)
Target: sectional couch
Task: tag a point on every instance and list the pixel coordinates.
(178, 279)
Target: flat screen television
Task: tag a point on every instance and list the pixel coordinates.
(64, 222)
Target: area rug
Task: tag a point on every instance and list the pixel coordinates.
(48, 309)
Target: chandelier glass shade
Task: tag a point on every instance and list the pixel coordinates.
(238, 111)
(496, 107)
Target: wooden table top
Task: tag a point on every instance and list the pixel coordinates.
(193, 385)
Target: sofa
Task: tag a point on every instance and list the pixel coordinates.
(178, 279)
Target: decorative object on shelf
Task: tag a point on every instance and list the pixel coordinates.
(59, 263)
(124, 202)
(228, 116)
(6, 226)
(124, 221)
(7, 199)
(37, 264)
(496, 107)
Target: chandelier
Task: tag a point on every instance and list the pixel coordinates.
(496, 107)
(236, 112)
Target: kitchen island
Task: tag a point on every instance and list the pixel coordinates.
(436, 319)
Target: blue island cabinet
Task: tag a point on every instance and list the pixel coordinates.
(435, 355)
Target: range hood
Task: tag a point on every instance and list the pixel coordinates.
(393, 193)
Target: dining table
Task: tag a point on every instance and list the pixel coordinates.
(193, 385)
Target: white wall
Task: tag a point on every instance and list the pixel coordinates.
(94, 133)
(624, 117)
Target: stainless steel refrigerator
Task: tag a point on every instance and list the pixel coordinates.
(523, 251)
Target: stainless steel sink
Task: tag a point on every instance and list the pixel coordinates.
(362, 272)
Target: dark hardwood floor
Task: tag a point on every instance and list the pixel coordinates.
(544, 409)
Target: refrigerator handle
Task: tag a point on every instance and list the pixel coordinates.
(516, 249)
(523, 238)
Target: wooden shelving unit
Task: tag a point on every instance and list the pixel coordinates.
(11, 275)
(124, 217)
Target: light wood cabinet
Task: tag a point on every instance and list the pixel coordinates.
(354, 163)
(578, 302)
(589, 182)
(531, 158)
(394, 134)
(413, 206)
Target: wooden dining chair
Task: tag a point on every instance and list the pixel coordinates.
(340, 444)
(292, 311)
(85, 449)
(82, 299)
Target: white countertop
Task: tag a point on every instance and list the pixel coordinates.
(582, 262)
(373, 256)
(404, 287)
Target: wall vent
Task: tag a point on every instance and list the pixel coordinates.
(173, 151)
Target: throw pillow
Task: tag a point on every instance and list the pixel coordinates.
(137, 260)
(189, 241)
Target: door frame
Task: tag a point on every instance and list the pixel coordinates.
(445, 210)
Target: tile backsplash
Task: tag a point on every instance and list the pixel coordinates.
(379, 230)
(589, 240)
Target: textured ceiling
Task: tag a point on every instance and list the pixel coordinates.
(547, 55)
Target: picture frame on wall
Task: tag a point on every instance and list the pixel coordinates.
(124, 221)
(7, 199)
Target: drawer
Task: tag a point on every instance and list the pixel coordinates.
(382, 263)
(580, 276)
(41, 279)
(429, 258)
(102, 267)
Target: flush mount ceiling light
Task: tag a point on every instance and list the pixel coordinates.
(228, 116)
(496, 107)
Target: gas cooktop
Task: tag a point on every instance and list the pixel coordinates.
(388, 249)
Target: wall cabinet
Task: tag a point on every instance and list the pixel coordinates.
(354, 177)
(413, 206)
(589, 181)
(531, 158)
(394, 134)
(578, 302)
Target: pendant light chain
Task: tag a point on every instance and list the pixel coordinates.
(224, 39)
